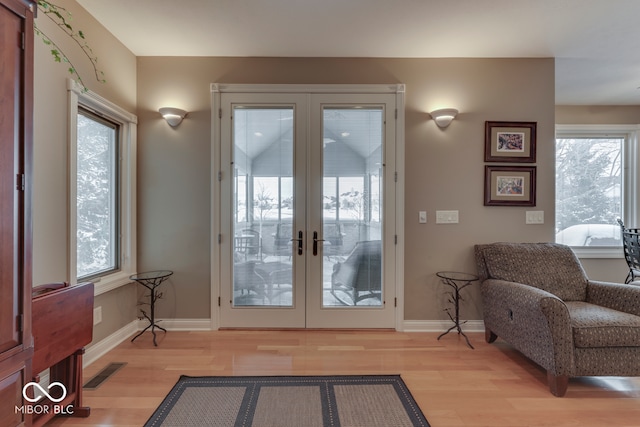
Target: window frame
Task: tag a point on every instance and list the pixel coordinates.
(630, 176)
(79, 96)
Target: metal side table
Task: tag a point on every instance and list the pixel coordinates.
(457, 281)
(151, 280)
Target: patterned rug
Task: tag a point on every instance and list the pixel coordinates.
(295, 401)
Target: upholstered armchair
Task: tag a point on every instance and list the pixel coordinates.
(537, 297)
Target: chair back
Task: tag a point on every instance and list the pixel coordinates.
(548, 266)
(362, 270)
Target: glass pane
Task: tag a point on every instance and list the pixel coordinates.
(352, 217)
(97, 196)
(329, 198)
(588, 191)
(263, 208)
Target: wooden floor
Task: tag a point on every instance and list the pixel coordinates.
(454, 385)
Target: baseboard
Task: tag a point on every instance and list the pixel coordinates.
(102, 347)
(440, 325)
(179, 324)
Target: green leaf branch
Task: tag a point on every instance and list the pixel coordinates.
(62, 19)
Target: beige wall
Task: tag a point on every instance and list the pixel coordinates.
(50, 181)
(444, 168)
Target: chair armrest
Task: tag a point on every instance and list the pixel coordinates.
(616, 296)
(534, 321)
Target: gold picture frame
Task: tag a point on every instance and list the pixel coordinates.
(513, 142)
(510, 185)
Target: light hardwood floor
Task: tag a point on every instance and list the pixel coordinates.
(492, 386)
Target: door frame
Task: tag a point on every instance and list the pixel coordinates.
(216, 175)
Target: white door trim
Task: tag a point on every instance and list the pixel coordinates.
(218, 88)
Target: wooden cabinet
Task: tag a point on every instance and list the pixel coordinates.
(16, 117)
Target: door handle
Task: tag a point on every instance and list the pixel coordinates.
(315, 243)
(299, 240)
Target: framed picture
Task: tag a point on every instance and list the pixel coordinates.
(510, 186)
(510, 142)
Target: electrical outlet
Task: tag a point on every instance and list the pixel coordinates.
(97, 315)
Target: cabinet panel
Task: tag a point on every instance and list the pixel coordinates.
(10, 139)
(11, 404)
(16, 116)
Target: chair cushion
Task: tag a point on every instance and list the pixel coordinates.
(548, 266)
(597, 326)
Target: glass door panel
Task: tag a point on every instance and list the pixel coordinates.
(352, 247)
(262, 150)
(350, 281)
(263, 198)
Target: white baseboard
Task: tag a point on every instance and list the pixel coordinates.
(102, 347)
(179, 324)
(440, 325)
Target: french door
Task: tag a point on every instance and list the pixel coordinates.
(307, 217)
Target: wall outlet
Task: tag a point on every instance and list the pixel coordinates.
(97, 315)
(446, 217)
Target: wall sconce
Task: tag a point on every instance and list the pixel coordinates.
(173, 116)
(444, 116)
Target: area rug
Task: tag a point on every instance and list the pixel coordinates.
(290, 401)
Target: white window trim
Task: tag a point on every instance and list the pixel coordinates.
(128, 137)
(630, 177)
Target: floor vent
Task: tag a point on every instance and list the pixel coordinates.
(102, 376)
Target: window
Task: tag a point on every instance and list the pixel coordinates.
(102, 162)
(97, 196)
(594, 186)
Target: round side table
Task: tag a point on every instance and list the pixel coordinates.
(457, 281)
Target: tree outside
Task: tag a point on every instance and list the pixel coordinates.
(588, 181)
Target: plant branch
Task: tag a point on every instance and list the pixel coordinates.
(61, 18)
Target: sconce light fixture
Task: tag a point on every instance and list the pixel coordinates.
(444, 116)
(173, 116)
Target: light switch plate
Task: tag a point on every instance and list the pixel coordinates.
(422, 217)
(534, 217)
(446, 217)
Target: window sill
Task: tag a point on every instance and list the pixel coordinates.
(597, 252)
(113, 281)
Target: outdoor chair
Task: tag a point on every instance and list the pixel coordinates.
(631, 247)
(360, 275)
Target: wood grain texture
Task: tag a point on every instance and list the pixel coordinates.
(491, 386)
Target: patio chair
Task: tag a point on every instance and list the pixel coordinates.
(631, 247)
(360, 275)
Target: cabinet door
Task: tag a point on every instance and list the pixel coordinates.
(11, 194)
(12, 411)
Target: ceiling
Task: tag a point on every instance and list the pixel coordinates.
(596, 43)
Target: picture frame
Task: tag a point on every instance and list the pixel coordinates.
(509, 185)
(513, 142)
